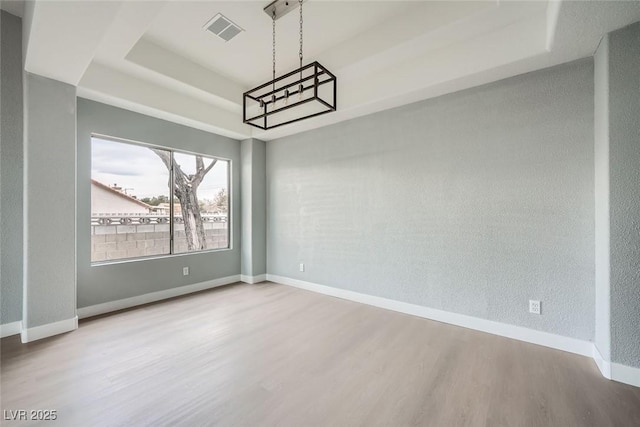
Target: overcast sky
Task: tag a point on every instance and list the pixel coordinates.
(138, 170)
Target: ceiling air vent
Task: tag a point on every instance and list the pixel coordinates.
(222, 27)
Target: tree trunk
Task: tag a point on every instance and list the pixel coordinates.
(193, 227)
(186, 190)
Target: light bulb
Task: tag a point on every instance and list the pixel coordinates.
(273, 100)
(300, 90)
(286, 96)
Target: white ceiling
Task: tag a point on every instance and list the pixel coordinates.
(247, 58)
(14, 7)
(155, 57)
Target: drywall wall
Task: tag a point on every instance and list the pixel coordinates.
(254, 234)
(473, 202)
(245, 207)
(624, 156)
(98, 284)
(259, 207)
(11, 170)
(601, 178)
(49, 202)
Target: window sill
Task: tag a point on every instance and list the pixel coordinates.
(155, 257)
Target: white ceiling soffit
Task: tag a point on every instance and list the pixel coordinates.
(215, 88)
(156, 58)
(64, 36)
(111, 86)
(247, 58)
(14, 7)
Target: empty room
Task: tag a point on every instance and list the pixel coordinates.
(320, 213)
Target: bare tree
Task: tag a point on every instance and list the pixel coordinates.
(185, 188)
(221, 201)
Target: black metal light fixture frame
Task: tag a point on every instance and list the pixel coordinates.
(320, 76)
(304, 82)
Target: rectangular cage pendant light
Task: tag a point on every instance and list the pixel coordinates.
(303, 93)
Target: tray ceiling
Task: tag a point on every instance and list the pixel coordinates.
(155, 57)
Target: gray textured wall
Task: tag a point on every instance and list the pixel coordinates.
(624, 140)
(259, 207)
(11, 159)
(104, 283)
(246, 266)
(473, 202)
(254, 205)
(602, 238)
(50, 179)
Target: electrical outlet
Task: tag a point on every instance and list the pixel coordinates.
(534, 306)
(185, 271)
(301, 267)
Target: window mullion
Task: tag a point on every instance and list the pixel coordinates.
(171, 205)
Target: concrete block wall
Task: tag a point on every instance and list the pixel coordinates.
(112, 242)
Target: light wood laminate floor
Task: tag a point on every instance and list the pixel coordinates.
(264, 355)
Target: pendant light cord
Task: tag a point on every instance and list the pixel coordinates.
(300, 52)
(273, 15)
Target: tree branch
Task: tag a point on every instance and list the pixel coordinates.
(213, 163)
(180, 179)
(165, 156)
(201, 171)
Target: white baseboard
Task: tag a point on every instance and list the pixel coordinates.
(8, 329)
(48, 330)
(572, 345)
(625, 374)
(603, 365)
(615, 371)
(253, 279)
(107, 307)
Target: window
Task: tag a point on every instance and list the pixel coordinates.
(133, 212)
